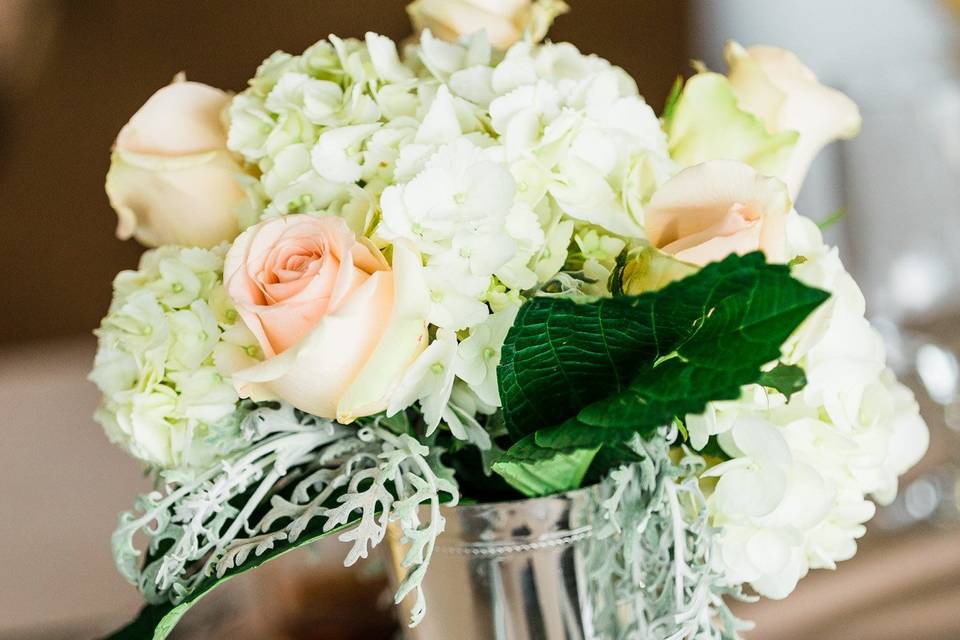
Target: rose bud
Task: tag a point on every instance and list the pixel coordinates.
(503, 20)
(171, 178)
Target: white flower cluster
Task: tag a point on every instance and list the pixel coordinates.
(166, 349)
(798, 490)
(489, 165)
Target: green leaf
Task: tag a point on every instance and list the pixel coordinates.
(672, 99)
(785, 378)
(649, 269)
(537, 471)
(682, 428)
(157, 621)
(560, 356)
(656, 395)
(713, 450)
(630, 364)
(832, 219)
(573, 434)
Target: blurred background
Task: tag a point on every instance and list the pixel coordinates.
(72, 73)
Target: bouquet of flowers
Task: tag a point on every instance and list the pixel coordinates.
(486, 269)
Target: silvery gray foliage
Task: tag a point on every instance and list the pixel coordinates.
(662, 582)
(301, 467)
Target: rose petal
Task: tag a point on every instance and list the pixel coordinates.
(313, 374)
(189, 201)
(701, 204)
(180, 119)
(775, 85)
(280, 304)
(404, 338)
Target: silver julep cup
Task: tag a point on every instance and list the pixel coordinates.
(506, 571)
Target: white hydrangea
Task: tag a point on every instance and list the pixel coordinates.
(165, 352)
(454, 211)
(478, 355)
(804, 474)
(429, 380)
(584, 126)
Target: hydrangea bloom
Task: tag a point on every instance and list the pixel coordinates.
(166, 350)
(805, 473)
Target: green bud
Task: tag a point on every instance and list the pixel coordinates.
(648, 269)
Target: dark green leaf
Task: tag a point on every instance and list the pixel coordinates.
(630, 364)
(658, 394)
(714, 450)
(785, 378)
(560, 356)
(574, 434)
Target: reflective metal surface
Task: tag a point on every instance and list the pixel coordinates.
(507, 571)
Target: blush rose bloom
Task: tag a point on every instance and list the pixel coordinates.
(171, 178)
(338, 326)
(503, 20)
(717, 208)
(774, 85)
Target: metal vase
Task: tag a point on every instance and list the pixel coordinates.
(507, 571)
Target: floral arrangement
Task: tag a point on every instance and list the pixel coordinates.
(486, 268)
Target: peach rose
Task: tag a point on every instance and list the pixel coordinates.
(338, 326)
(171, 178)
(503, 20)
(773, 84)
(710, 210)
